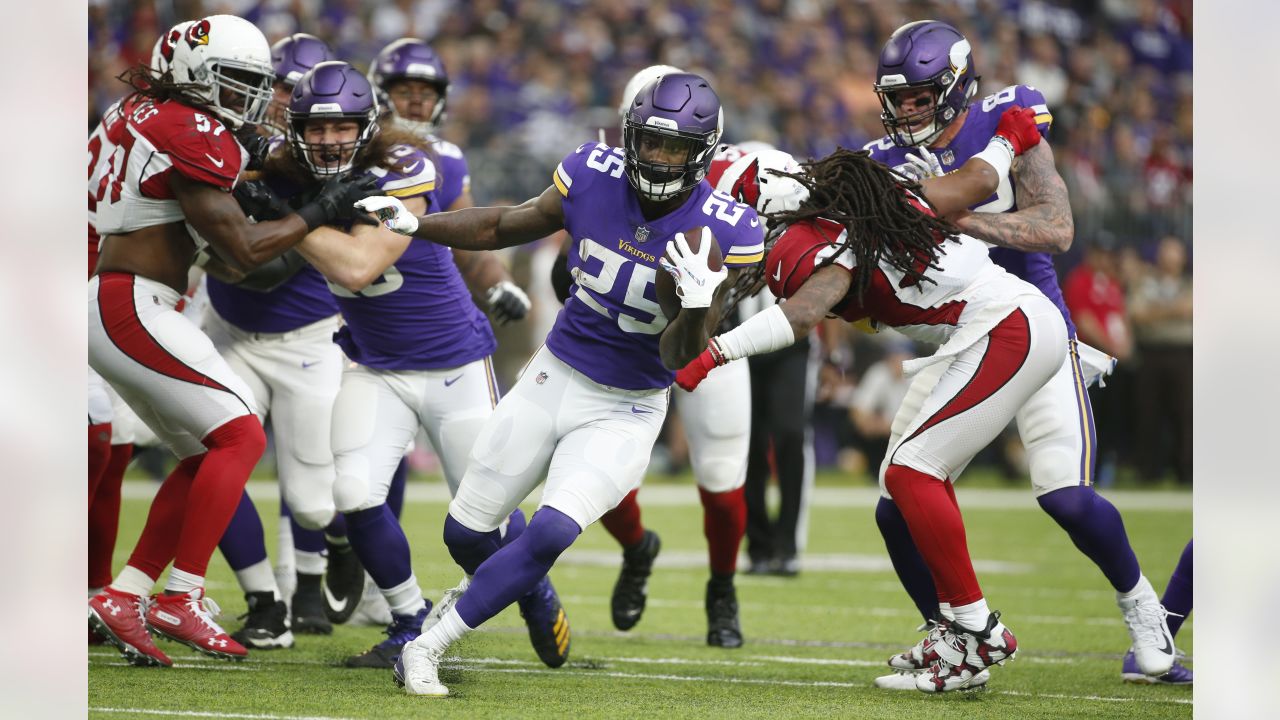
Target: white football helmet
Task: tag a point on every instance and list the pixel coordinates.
(162, 51)
(639, 80)
(224, 56)
(753, 179)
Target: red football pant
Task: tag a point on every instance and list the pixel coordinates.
(724, 521)
(929, 506)
(195, 503)
(623, 522)
(104, 514)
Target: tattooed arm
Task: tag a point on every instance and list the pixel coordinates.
(815, 298)
(1042, 222)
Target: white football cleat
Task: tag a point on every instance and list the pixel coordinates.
(418, 670)
(964, 654)
(921, 655)
(903, 680)
(1145, 618)
(447, 601)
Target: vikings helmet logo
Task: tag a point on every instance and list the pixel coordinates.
(198, 33)
(747, 189)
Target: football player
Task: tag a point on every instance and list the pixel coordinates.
(717, 421)
(420, 348)
(865, 244)
(278, 337)
(174, 163)
(926, 81)
(589, 405)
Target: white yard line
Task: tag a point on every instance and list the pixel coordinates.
(197, 713)
(838, 497)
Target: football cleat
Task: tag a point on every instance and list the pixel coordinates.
(963, 654)
(373, 610)
(722, 614)
(906, 680)
(1130, 673)
(447, 601)
(266, 624)
(921, 655)
(189, 619)
(119, 618)
(629, 593)
(402, 629)
(1145, 618)
(343, 583)
(417, 670)
(548, 623)
(310, 612)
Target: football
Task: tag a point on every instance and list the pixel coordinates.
(665, 285)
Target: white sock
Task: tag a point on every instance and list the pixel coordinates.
(310, 563)
(1143, 588)
(133, 581)
(972, 616)
(449, 630)
(257, 578)
(284, 544)
(405, 598)
(947, 613)
(184, 582)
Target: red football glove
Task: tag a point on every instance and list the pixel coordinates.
(1018, 126)
(689, 376)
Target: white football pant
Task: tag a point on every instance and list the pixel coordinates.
(717, 423)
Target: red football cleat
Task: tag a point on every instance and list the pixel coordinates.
(188, 619)
(118, 618)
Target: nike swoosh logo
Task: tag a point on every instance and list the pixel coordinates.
(755, 222)
(777, 274)
(450, 381)
(217, 162)
(412, 167)
(337, 607)
(306, 364)
(1168, 646)
(639, 410)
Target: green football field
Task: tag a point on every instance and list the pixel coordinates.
(813, 643)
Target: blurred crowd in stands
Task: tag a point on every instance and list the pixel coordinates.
(532, 79)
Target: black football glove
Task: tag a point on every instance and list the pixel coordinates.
(259, 202)
(336, 200)
(257, 145)
(507, 302)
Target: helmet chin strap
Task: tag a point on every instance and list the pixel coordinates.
(923, 136)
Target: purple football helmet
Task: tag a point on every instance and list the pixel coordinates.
(677, 114)
(411, 59)
(331, 90)
(925, 54)
(293, 56)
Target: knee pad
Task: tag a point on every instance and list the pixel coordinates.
(1053, 468)
(317, 519)
(351, 491)
(721, 474)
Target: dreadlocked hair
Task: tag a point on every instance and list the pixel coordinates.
(873, 203)
(148, 83)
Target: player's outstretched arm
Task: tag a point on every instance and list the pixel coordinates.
(243, 245)
(354, 260)
(1042, 222)
(478, 228)
(774, 328)
(981, 175)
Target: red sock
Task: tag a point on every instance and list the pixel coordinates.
(104, 515)
(99, 454)
(234, 448)
(623, 522)
(928, 506)
(724, 520)
(159, 539)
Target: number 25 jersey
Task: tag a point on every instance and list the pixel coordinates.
(610, 325)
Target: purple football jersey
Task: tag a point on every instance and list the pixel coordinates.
(609, 328)
(300, 300)
(454, 177)
(418, 315)
(978, 129)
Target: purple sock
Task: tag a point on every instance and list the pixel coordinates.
(244, 542)
(467, 547)
(307, 540)
(516, 525)
(515, 569)
(395, 494)
(1177, 595)
(381, 545)
(1096, 528)
(907, 561)
(338, 527)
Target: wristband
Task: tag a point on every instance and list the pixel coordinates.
(998, 154)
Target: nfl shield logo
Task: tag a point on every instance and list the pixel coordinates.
(948, 157)
(542, 377)
(642, 234)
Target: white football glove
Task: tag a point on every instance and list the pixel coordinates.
(507, 302)
(921, 166)
(391, 212)
(695, 282)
